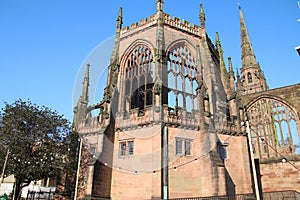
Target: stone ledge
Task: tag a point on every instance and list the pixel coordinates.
(279, 159)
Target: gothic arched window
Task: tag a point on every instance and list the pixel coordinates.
(138, 79)
(182, 82)
(274, 126)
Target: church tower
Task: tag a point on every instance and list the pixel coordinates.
(168, 120)
(253, 79)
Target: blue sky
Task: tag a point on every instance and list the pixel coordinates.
(45, 43)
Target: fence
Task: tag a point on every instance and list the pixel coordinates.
(235, 197)
(32, 195)
(282, 195)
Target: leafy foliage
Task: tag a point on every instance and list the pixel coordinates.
(36, 138)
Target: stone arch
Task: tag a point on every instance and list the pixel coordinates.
(137, 68)
(131, 48)
(186, 42)
(266, 96)
(275, 126)
(181, 62)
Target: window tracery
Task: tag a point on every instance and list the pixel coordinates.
(138, 79)
(182, 82)
(273, 123)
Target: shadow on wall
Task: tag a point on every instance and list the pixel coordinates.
(230, 186)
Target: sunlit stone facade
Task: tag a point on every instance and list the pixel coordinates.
(172, 122)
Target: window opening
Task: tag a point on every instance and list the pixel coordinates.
(275, 123)
(183, 146)
(181, 79)
(249, 77)
(139, 79)
(126, 148)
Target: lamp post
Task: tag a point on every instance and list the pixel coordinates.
(78, 157)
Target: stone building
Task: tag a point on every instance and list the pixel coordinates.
(175, 123)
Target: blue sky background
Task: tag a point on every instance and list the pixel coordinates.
(45, 43)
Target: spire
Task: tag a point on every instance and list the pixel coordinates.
(159, 5)
(251, 72)
(117, 38)
(248, 57)
(86, 83)
(231, 72)
(223, 71)
(231, 75)
(220, 51)
(159, 32)
(202, 16)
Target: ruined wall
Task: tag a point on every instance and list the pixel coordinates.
(275, 174)
(291, 94)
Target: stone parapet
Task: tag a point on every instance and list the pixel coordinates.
(183, 25)
(174, 22)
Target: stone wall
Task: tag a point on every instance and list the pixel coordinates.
(237, 164)
(280, 176)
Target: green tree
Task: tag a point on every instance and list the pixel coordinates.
(37, 139)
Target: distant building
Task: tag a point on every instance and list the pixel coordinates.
(173, 120)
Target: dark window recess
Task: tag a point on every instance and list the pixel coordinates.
(222, 149)
(249, 76)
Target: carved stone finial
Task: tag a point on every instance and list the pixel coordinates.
(87, 75)
(231, 72)
(202, 16)
(159, 5)
(217, 37)
(248, 57)
(119, 19)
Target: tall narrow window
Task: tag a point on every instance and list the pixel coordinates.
(249, 76)
(187, 147)
(179, 147)
(130, 147)
(123, 149)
